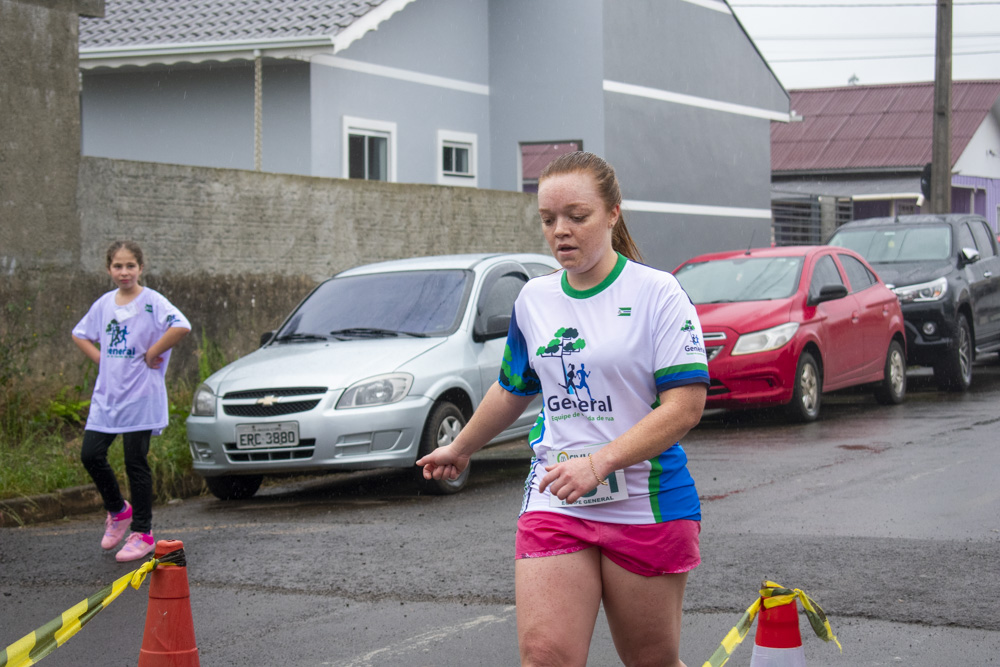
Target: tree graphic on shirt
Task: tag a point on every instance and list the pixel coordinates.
(566, 342)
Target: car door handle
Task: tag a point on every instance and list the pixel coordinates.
(855, 317)
(988, 274)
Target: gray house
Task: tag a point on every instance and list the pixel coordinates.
(476, 93)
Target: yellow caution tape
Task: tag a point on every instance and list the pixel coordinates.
(36, 645)
(771, 595)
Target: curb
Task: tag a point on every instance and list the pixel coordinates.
(68, 502)
(49, 506)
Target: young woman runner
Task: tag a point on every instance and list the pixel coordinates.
(610, 512)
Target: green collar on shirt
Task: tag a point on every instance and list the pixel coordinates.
(570, 291)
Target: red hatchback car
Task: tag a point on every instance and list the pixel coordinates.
(783, 325)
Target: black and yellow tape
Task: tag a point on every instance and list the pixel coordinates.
(36, 645)
(771, 595)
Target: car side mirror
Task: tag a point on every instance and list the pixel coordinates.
(828, 293)
(968, 256)
(266, 337)
(496, 327)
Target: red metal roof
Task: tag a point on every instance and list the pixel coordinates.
(874, 127)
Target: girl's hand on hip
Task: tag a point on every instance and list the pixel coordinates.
(153, 362)
(569, 480)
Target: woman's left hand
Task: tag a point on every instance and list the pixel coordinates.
(569, 480)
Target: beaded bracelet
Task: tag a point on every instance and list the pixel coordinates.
(599, 480)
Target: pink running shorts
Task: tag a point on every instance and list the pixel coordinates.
(647, 549)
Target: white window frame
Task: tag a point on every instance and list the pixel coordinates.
(369, 127)
(464, 140)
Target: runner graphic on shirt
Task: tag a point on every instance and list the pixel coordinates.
(582, 376)
(118, 346)
(118, 333)
(565, 342)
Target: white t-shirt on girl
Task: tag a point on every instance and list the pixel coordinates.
(129, 395)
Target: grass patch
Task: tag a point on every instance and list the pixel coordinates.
(41, 430)
(40, 447)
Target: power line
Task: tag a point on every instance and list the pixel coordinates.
(884, 57)
(816, 5)
(853, 38)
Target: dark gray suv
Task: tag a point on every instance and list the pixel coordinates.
(945, 269)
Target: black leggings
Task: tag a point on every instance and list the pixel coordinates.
(94, 455)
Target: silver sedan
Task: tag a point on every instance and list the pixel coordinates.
(377, 366)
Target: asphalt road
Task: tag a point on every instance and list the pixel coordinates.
(888, 516)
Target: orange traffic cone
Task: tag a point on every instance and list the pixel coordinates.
(778, 642)
(168, 640)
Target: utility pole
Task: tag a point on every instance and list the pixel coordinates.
(941, 143)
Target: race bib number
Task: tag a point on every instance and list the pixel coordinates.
(614, 490)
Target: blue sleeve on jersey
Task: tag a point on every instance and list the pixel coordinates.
(680, 375)
(516, 374)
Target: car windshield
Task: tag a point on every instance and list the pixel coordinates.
(899, 244)
(405, 303)
(741, 279)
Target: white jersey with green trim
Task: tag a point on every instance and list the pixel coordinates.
(600, 358)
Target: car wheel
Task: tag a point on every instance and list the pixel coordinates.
(234, 487)
(955, 372)
(444, 424)
(892, 389)
(808, 391)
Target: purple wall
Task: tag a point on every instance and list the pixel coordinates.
(980, 194)
(969, 194)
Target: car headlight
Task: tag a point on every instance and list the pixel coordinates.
(932, 291)
(203, 404)
(768, 339)
(378, 390)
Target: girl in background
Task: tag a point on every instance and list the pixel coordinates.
(128, 332)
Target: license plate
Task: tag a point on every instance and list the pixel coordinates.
(279, 434)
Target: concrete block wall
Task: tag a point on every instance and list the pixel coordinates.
(232, 222)
(237, 250)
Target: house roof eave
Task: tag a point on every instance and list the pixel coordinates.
(290, 47)
(299, 48)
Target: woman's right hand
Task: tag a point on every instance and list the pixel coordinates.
(443, 463)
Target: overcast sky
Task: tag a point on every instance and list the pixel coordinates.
(820, 43)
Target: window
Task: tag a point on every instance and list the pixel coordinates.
(825, 273)
(369, 149)
(496, 301)
(857, 273)
(535, 156)
(456, 158)
(965, 239)
(983, 238)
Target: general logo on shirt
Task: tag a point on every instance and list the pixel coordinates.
(695, 347)
(149, 307)
(118, 346)
(565, 345)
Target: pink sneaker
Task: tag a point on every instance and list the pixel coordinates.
(136, 546)
(115, 527)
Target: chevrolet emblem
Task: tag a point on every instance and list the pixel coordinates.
(267, 401)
